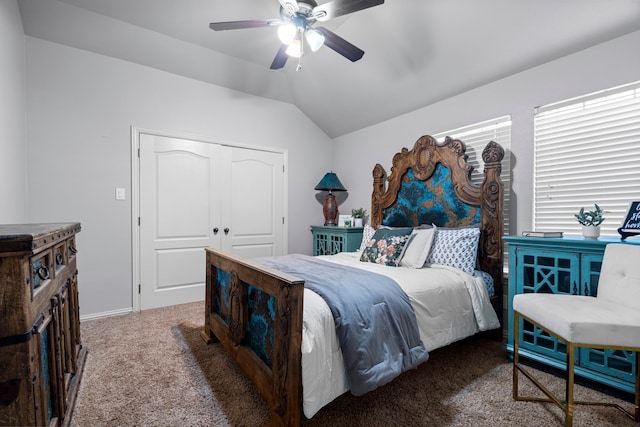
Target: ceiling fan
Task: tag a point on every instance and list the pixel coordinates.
(295, 26)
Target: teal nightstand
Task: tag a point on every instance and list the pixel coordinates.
(329, 240)
(569, 265)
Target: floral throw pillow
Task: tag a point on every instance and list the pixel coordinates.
(455, 247)
(386, 246)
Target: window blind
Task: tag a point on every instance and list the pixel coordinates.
(475, 138)
(587, 151)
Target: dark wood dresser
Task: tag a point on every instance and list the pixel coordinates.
(41, 355)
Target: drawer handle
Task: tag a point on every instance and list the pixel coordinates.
(226, 230)
(59, 259)
(73, 249)
(43, 272)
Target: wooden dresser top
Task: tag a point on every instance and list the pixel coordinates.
(33, 237)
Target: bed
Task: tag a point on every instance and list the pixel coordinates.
(282, 333)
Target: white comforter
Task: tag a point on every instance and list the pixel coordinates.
(449, 305)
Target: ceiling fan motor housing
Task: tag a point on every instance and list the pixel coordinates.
(299, 13)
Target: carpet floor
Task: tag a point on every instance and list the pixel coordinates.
(152, 369)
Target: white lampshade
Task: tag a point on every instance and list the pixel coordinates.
(315, 38)
(287, 32)
(295, 48)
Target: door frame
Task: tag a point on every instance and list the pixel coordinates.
(135, 194)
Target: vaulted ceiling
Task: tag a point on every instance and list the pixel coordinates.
(417, 52)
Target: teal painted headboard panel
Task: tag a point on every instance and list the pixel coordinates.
(430, 202)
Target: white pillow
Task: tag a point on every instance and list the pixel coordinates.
(367, 234)
(417, 251)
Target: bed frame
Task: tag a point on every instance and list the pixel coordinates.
(256, 312)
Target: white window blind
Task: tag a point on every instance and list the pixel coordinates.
(475, 138)
(587, 151)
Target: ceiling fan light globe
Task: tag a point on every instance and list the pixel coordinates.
(294, 49)
(315, 38)
(286, 33)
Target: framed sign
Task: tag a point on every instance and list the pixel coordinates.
(344, 221)
(631, 224)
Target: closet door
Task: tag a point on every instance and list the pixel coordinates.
(179, 206)
(195, 195)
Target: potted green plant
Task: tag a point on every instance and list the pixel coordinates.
(590, 221)
(359, 216)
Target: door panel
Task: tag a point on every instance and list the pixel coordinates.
(181, 180)
(190, 272)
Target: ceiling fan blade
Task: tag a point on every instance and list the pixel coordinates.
(340, 45)
(280, 59)
(238, 25)
(336, 8)
(290, 6)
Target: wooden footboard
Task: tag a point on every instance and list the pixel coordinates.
(256, 314)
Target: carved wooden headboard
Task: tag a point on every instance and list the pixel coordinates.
(431, 184)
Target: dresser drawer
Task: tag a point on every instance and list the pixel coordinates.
(42, 270)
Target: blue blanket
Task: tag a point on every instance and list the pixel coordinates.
(375, 323)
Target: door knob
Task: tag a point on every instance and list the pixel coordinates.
(215, 230)
(226, 230)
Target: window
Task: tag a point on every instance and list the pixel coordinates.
(587, 151)
(475, 138)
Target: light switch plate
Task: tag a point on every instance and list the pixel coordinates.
(120, 193)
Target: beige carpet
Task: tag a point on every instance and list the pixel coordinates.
(153, 369)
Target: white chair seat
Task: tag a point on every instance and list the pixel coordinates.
(581, 319)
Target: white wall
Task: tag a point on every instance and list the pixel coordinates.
(610, 64)
(81, 106)
(80, 109)
(13, 184)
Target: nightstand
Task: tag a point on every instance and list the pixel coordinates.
(328, 240)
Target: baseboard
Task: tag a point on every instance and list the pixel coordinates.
(106, 314)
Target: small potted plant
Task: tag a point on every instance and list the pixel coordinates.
(359, 216)
(590, 221)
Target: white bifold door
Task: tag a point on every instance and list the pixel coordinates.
(194, 195)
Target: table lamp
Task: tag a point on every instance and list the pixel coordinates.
(330, 183)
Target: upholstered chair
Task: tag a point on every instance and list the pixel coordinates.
(609, 321)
